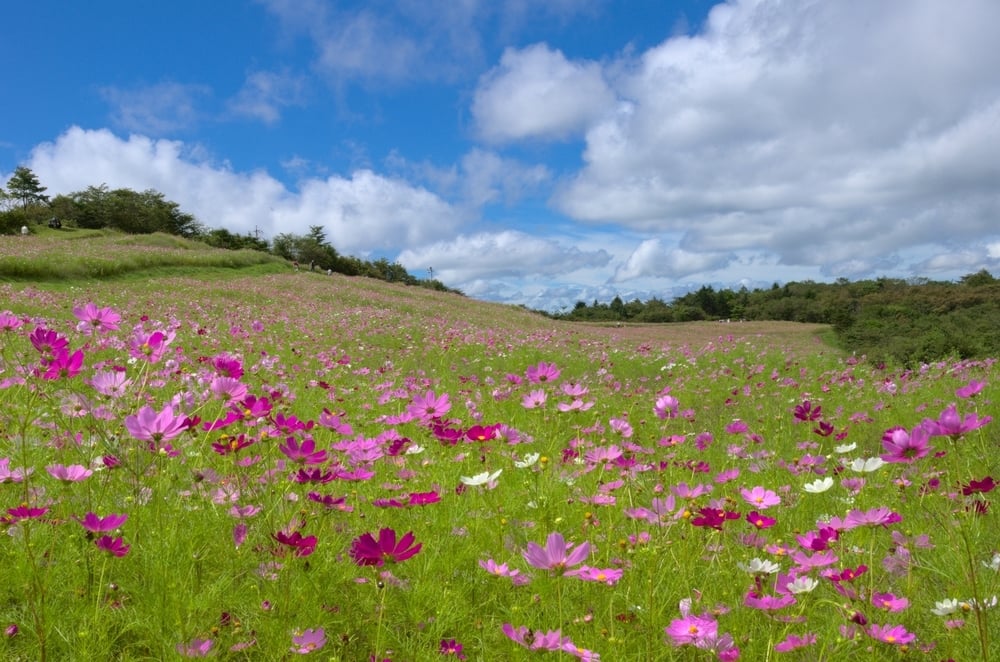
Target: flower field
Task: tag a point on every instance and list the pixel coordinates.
(258, 468)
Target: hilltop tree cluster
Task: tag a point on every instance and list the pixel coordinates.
(24, 204)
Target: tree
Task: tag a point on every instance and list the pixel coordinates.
(25, 188)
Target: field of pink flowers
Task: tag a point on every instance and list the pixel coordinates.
(261, 468)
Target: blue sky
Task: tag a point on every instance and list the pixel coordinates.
(535, 152)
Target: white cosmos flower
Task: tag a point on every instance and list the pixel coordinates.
(817, 486)
(867, 465)
(801, 584)
(845, 448)
(481, 479)
(945, 607)
(413, 450)
(993, 563)
(527, 461)
(759, 567)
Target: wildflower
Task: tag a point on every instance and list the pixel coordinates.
(69, 474)
(891, 634)
(543, 372)
(9, 321)
(64, 365)
(485, 478)
(693, 630)
(666, 406)
(983, 486)
(96, 320)
(792, 642)
(95, 524)
(481, 433)
(818, 486)
(366, 550)
(150, 346)
(429, 406)
(970, 389)
(901, 446)
(609, 576)
(528, 461)
(195, 648)
(557, 553)
(756, 600)
(713, 517)
(302, 545)
(26, 512)
(760, 521)
(451, 647)
(308, 641)
(534, 399)
(622, 427)
(881, 516)
(423, 498)
(889, 602)
(801, 584)
(951, 424)
(534, 640)
(304, 453)
(760, 497)
(111, 383)
(501, 570)
(114, 546)
(576, 405)
(48, 343)
(156, 427)
(867, 465)
(759, 567)
(331, 502)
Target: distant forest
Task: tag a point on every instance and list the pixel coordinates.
(904, 322)
(899, 322)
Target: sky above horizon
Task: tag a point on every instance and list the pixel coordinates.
(537, 153)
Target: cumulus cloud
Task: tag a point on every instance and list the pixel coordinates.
(537, 93)
(366, 212)
(840, 135)
(653, 258)
(510, 253)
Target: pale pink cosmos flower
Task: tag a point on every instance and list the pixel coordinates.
(543, 372)
(150, 425)
(429, 406)
(609, 576)
(760, 497)
(534, 399)
(666, 406)
(896, 635)
(96, 320)
(112, 383)
(73, 473)
(576, 405)
(557, 554)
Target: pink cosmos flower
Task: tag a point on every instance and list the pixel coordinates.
(96, 320)
(891, 634)
(951, 424)
(501, 570)
(534, 399)
(48, 343)
(451, 647)
(543, 372)
(760, 521)
(195, 648)
(972, 388)
(889, 602)
(533, 639)
(609, 576)
(300, 545)
(69, 474)
(95, 524)
(692, 630)
(429, 406)
(64, 365)
(760, 497)
(114, 546)
(150, 346)
(111, 383)
(304, 453)
(880, 516)
(901, 446)
(756, 600)
(9, 321)
(150, 425)
(666, 406)
(308, 641)
(557, 554)
(792, 642)
(366, 550)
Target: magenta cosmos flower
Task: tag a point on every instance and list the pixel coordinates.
(114, 546)
(366, 550)
(903, 446)
(96, 320)
(557, 553)
(429, 406)
(69, 474)
(95, 524)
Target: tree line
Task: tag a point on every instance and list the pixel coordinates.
(24, 204)
(904, 322)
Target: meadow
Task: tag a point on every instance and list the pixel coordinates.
(238, 461)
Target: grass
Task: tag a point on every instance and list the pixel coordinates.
(663, 452)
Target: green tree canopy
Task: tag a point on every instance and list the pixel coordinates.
(24, 187)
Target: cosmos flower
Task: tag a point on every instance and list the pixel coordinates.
(69, 474)
(156, 427)
(308, 640)
(891, 634)
(557, 554)
(366, 550)
(543, 372)
(95, 524)
(96, 320)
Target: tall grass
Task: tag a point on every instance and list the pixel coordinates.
(484, 431)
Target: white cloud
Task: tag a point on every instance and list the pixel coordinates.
(159, 109)
(537, 93)
(266, 93)
(490, 256)
(652, 258)
(366, 212)
(843, 135)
